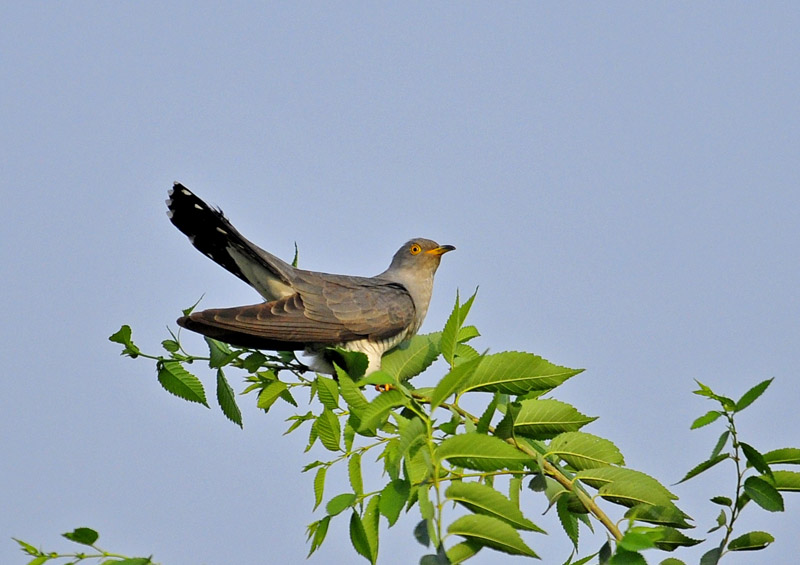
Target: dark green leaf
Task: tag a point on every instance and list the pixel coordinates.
(671, 561)
(370, 521)
(421, 533)
(180, 382)
(130, 561)
(721, 442)
(752, 394)
(359, 538)
(409, 359)
(355, 399)
(627, 487)
(755, 459)
(711, 557)
(538, 483)
(328, 392)
(84, 536)
(622, 557)
(191, 308)
(706, 419)
(318, 530)
(220, 353)
(490, 532)
(354, 473)
(254, 361)
(568, 520)
(340, 503)
(670, 539)
(661, 515)
(751, 541)
(704, 466)
(722, 501)
(485, 420)
(763, 494)
(454, 381)
(376, 412)
(605, 553)
(227, 399)
(354, 363)
(329, 430)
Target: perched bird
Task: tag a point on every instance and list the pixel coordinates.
(305, 310)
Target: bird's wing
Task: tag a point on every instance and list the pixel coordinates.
(324, 312)
(214, 236)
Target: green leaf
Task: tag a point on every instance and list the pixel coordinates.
(569, 520)
(354, 363)
(670, 539)
(219, 353)
(130, 561)
(787, 481)
(546, 418)
(755, 459)
(722, 501)
(254, 361)
(180, 382)
(393, 498)
(328, 392)
(340, 503)
(635, 541)
(623, 557)
(585, 451)
(671, 561)
(123, 337)
(421, 533)
(763, 494)
(170, 345)
(329, 430)
(626, 486)
(354, 473)
(26, 547)
(375, 413)
(514, 372)
(752, 394)
(481, 453)
(454, 381)
(704, 466)
(318, 530)
(319, 485)
(355, 399)
(786, 455)
(370, 522)
(412, 357)
(226, 399)
(269, 394)
(358, 537)
(462, 551)
(721, 442)
(191, 308)
(491, 532)
(711, 557)
(378, 378)
(482, 499)
(452, 328)
(486, 418)
(84, 536)
(751, 541)
(706, 419)
(661, 515)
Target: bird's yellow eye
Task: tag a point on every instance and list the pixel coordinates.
(415, 248)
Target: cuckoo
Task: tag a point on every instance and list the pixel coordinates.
(307, 310)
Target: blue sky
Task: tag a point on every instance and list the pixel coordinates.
(621, 181)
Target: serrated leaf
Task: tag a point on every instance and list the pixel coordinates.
(482, 499)
(623, 557)
(254, 361)
(661, 515)
(721, 442)
(751, 541)
(462, 551)
(787, 481)
(763, 494)
(786, 455)
(626, 486)
(84, 536)
(755, 459)
(449, 339)
(269, 394)
(486, 418)
(491, 532)
(354, 473)
(453, 382)
(355, 399)
(481, 453)
(370, 521)
(170, 345)
(319, 485)
(412, 357)
(410, 433)
(704, 466)
(220, 354)
(568, 520)
(514, 372)
(585, 451)
(379, 378)
(358, 537)
(318, 530)
(706, 419)
(328, 392)
(671, 539)
(546, 418)
(752, 394)
(329, 430)
(226, 399)
(375, 413)
(340, 503)
(180, 382)
(393, 498)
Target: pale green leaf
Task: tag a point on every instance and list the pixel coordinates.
(786, 455)
(706, 419)
(412, 357)
(319, 485)
(786, 481)
(585, 451)
(269, 394)
(227, 399)
(546, 418)
(340, 503)
(393, 498)
(661, 515)
(481, 452)
(354, 473)
(328, 392)
(328, 430)
(460, 552)
(219, 353)
(318, 530)
(454, 381)
(355, 399)
(180, 382)
(375, 413)
(627, 487)
(483, 499)
(514, 372)
(370, 521)
(491, 532)
(751, 541)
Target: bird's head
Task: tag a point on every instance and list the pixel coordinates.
(422, 255)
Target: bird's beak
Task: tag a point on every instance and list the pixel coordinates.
(441, 250)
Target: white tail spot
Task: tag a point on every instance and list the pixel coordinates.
(198, 206)
(222, 231)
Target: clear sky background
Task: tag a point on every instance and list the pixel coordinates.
(621, 180)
